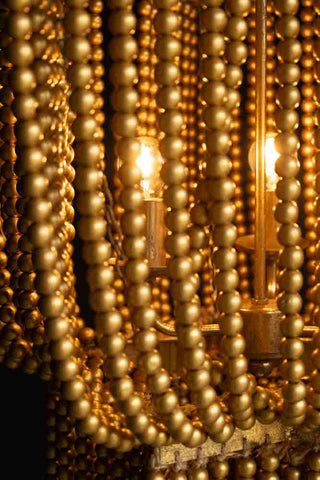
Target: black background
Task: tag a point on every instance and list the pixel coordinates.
(23, 426)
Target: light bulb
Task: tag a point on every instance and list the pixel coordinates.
(150, 162)
(271, 158)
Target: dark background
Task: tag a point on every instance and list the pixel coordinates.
(23, 426)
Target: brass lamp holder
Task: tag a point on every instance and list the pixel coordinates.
(261, 320)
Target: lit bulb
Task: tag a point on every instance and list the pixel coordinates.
(271, 158)
(150, 162)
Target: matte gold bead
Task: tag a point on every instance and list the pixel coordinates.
(246, 467)
(288, 27)
(288, 73)
(121, 22)
(290, 50)
(159, 383)
(293, 370)
(77, 21)
(225, 434)
(212, 44)
(166, 73)
(213, 68)
(66, 370)
(214, 19)
(313, 461)
(290, 7)
(150, 362)
(77, 49)
(122, 388)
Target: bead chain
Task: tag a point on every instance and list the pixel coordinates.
(313, 417)
(223, 78)
(288, 189)
(132, 222)
(268, 463)
(90, 200)
(307, 150)
(177, 242)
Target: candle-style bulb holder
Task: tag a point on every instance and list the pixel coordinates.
(150, 162)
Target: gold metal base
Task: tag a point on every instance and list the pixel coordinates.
(256, 435)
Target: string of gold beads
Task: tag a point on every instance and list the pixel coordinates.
(292, 472)
(27, 282)
(124, 99)
(10, 330)
(224, 79)
(39, 233)
(218, 468)
(288, 189)
(175, 197)
(89, 203)
(147, 113)
(246, 468)
(21, 278)
(236, 153)
(177, 242)
(9, 179)
(146, 86)
(64, 441)
(97, 54)
(268, 462)
(200, 237)
(189, 92)
(237, 381)
(250, 111)
(188, 81)
(313, 464)
(139, 292)
(313, 418)
(7, 307)
(308, 107)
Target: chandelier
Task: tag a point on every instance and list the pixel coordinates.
(160, 236)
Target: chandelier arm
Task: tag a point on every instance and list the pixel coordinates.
(289, 234)
(207, 330)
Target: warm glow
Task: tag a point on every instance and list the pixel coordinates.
(150, 162)
(271, 158)
(145, 162)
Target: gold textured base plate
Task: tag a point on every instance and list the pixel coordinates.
(255, 436)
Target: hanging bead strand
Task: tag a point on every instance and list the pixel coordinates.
(177, 242)
(222, 78)
(307, 151)
(288, 190)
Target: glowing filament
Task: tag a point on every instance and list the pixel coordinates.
(150, 162)
(271, 158)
